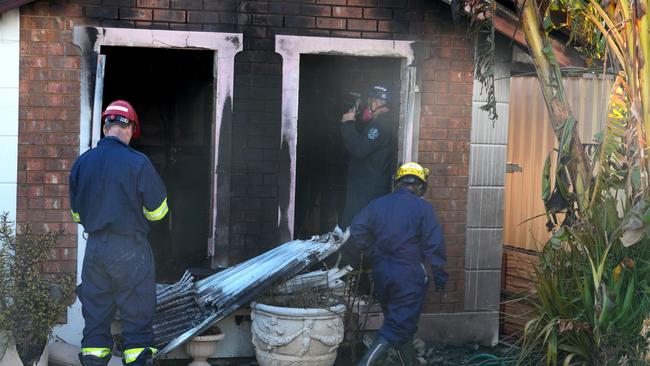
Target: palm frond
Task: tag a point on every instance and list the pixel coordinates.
(610, 167)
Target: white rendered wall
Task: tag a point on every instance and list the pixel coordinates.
(9, 54)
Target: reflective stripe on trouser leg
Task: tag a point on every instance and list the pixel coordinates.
(96, 351)
(130, 355)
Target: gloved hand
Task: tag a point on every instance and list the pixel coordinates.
(346, 235)
(440, 278)
(349, 116)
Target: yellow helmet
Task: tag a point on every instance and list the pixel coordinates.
(413, 169)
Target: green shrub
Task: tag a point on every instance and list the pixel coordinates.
(31, 301)
(592, 295)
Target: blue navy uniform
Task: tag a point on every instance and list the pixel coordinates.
(114, 192)
(399, 231)
(370, 149)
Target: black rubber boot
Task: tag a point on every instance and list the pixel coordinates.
(90, 360)
(375, 353)
(406, 354)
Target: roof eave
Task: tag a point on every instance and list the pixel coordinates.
(6, 5)
(507, 23)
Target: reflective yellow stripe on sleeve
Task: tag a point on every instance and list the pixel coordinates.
(158, 213)
(97, 352)
(75, 216)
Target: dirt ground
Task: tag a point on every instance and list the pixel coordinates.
(430, 354)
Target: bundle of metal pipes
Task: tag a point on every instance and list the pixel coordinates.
(321, 279)
(176, 308)
(221, 294)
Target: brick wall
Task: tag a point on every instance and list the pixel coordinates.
(444, 149)
(255, 148)
(48, 124)
(49, 104)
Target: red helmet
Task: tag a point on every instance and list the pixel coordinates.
(123, 109)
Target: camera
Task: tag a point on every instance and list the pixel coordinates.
(351, 100)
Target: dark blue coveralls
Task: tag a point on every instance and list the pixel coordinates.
(399, 231)
(370, 148)
(114, 191)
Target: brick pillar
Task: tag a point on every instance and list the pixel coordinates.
(48, 135)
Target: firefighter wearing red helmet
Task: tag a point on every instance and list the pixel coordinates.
(122, 111)
(114, 193)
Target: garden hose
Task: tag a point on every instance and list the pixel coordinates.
(486, 359)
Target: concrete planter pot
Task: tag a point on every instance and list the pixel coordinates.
(200, 348)
(296, 336)
(11, 357)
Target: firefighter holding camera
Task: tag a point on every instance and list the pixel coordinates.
(369, 143)
(368, 138)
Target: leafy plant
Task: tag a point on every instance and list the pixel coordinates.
(31, 301)
(616, 34)
(645, 333)
(481, 28)
(592, 291)
(4, 343)
(592, 294)
(592, 287)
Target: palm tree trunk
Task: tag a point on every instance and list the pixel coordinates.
(643, 24)
(550, 80)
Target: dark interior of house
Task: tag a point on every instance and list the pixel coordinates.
(321, 165)
(172, 91)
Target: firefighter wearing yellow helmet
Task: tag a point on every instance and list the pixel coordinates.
(400, 232)
(413, 173)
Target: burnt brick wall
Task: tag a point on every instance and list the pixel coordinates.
(49, 104)
(255, 149)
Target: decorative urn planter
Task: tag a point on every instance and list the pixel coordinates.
(43, 361)
(11, 357)
(296, 336)
(200, 348)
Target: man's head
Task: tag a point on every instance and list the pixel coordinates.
(378, 96)
(121, 121)
(413, 177)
